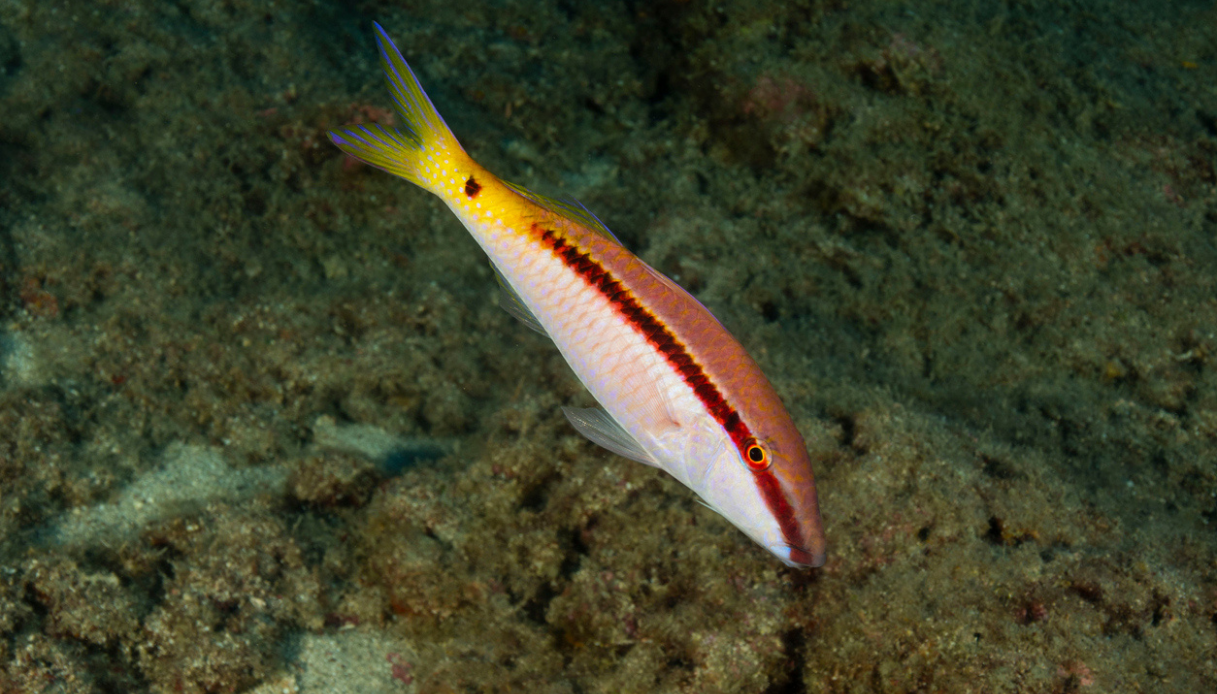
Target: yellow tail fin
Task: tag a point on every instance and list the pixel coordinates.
(422, 147)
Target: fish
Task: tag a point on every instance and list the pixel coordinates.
(676, 390)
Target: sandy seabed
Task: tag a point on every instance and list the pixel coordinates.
(264, 427)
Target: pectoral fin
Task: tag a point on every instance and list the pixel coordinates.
(604, 431)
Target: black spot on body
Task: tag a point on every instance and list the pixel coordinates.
(472, 187)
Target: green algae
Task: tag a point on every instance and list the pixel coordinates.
(979, 268)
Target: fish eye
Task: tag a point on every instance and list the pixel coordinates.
(755, 456)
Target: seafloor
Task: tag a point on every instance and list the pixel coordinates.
(264, 428)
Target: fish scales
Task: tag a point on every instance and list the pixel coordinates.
(678, 391)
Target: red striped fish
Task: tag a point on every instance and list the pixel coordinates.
(678, 391)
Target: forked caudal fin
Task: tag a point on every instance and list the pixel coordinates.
(422, 147)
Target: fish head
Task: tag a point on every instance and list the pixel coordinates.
(765, 486)
(777, 460)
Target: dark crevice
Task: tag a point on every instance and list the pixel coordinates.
(793, 645)
(994, 534)
(536, 607)
(574, 558)
(849, 433)
(1000, 470)
(534, 496)
(1209, 121)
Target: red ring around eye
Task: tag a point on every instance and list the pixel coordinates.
(756, 457)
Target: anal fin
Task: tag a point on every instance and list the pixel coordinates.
(513, 304)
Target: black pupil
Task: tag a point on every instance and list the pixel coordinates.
(755, 454)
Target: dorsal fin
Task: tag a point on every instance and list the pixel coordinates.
(571, 209)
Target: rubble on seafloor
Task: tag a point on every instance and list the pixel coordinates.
(264, 427)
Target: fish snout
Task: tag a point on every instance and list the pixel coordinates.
(800, 557)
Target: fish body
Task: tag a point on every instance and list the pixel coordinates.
(677, 390)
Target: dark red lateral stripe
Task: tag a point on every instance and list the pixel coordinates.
(655, 332)
(663, 340)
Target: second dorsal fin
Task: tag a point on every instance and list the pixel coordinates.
(570, 209)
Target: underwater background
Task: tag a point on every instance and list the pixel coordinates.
(264, 427)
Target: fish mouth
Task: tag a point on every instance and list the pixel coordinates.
(799, 557)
